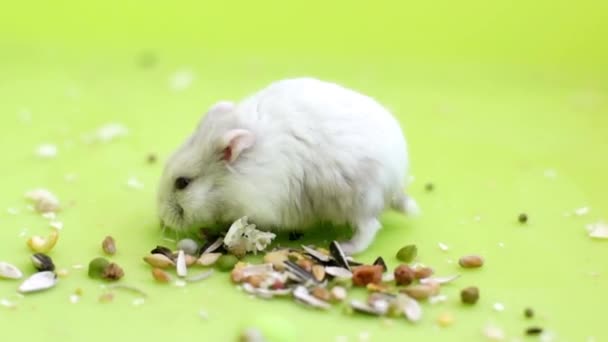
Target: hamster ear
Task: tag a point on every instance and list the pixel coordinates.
(221, 107)
(234, 142)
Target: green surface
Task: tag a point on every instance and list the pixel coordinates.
(490, 95)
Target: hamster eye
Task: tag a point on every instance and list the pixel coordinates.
(181, 183)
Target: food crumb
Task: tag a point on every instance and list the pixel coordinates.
(532, 331)
(152, 158)
(529, 313)
(493, 333)
(499, 307)
(44, 201)
(445, 319)
(203, 314)
(443, 246)
(47, 151)
(135, 183)
(106, 297)
(581, 211)
(181, 80)
(429, 187)
(138, 301)
(74, 298)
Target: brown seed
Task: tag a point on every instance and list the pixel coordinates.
(471, 261)
(372, 287)
(404, 275)
(305, 264)
(470, 295)
(106, 297)
(109, 245)
(190, 260)
(419, 292)
(160, 275)
(255, 280)
(277, 259)
(318, 272)
(159, 260)
(423, 272)
(112, 272)
(363, 275)
(321, 293)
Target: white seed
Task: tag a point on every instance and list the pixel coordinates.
(38, 282)
(498, 307)
(9, 271)
(47, 151)
(44, 201)
(338, 293)
(439, 280)
(180, 264)
(111, 131)
(208, 259)
(200, 276)
(411, 308)
(74, 298)
(598, 230)
(493, 333)
(135, 183)
(443, 246)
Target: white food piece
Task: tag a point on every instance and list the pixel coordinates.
(180, 264)
(410, 307)
(499, 307)
(74, 298)
(9, 271)
(51, 216)
(38, 282)
(138, 301)
(47, 151)
(598, 230)
(111, 131)
(44, 201)
(244, 234)
(56, 224)
(439, 280)
(581, 211)
(339, 293)
(200, 276)
(438, 299)
(12, 211)
(181, 80)
(443, 246)
(7, 303)
(135, 183)
(208, 259)
(493, 333)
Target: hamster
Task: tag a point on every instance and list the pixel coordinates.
(297, 153)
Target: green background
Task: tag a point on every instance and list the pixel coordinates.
(504, 105)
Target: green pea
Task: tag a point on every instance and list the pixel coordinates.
(97, 267)
(226, 262)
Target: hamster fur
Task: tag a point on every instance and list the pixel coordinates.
(297, 153)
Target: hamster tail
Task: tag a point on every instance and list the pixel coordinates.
(405, 204)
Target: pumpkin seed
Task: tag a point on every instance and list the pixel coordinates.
(38, 282)
(407, 253)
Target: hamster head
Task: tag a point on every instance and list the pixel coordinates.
(191, 190)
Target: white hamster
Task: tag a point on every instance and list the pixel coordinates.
(298, 153)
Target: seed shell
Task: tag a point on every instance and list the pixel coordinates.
(38, 282)
(338, 254)
(9, 271)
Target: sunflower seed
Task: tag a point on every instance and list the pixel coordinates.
(180, 264)
(338, 254)
(9, 271)
(162, 250)
(316, 254)
(300, 273)
(38, 282)
(380, 261)
(42, 262)
(338, 272)
(301, 294)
